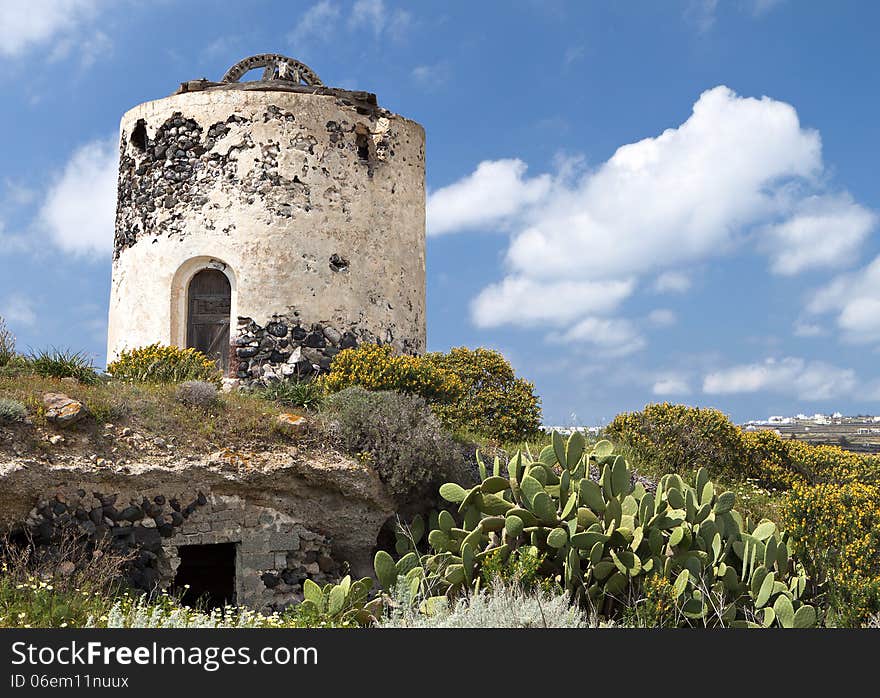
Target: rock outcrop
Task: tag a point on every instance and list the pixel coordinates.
(292, 515)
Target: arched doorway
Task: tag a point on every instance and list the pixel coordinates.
(208, 305)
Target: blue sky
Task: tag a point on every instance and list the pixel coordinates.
(634, 201)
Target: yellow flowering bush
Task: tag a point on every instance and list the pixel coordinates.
(835, 529)
(376, 368)
(158, 363)
(678, 438)
(474, 391)
(494, 402)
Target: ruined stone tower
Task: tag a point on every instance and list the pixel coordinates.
(269, 223)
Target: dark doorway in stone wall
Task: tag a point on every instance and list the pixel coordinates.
(207, 323)
(209, 570)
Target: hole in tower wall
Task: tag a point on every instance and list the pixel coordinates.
(206, 575)
(139, 135)
(362, 141)
(338, 263)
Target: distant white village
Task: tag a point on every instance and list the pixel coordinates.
(860, 433)
(864, 424)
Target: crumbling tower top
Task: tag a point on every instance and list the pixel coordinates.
(276, 67)
(280, 74)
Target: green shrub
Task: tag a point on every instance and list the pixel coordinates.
(63, 363)
(11, 411)
(7, 344)
(493, 403)
(677, 438)
(377, 368)
(157, 363)
(196, 394)
(398, 435)
(603, 540)
(294, 392)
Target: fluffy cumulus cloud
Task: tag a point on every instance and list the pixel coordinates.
(822, 231)
(854, 300)
(522, 301)
(79, 209)
(736, 168)
(612, 337)
(791, 376)
(495, 194)
(24, 25)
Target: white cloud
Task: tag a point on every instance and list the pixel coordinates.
(26, 25)
(694, 192)
(855, 299)
(433, 75)
(18, 309)
(808, 329)
(662, 317)
(823, 231)
(672, 282)
(612, 336)
(18, 194)
(321, 22)
(369, 13)
(806, 380)
(493, 194)
(80, 207)
(523, 301)
(762, 7)
(316, 22)
(375, 16)
(671, 199)
(671, 385)
(701, 13)
(89, 48)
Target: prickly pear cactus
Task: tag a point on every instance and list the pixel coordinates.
(601, 539)
(344, 602)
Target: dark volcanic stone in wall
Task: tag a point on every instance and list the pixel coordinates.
(159, 175)
(129, 532)
(287, 347)
(162, 177)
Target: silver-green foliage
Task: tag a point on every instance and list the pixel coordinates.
(11, 411)
(501, 606)
(600, 540)
(144, 613)
(196, 393)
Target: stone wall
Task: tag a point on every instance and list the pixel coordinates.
(291, 513)
(287, 346)
(275, 554)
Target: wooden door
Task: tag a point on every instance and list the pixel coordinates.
(208, 310)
